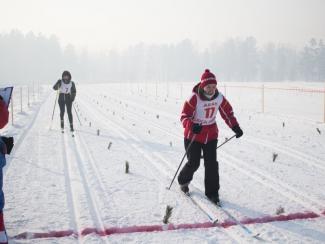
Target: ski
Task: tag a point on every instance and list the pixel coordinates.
(228, 214)
(188, 195)
(242, 226)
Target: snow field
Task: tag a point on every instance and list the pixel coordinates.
(56, 182)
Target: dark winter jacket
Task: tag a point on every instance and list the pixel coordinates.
(71, 94)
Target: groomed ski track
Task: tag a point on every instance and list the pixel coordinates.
(76, 188)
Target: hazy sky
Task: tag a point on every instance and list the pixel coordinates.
(106, 24)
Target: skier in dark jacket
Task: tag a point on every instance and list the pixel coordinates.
(67, 93)
(199, 121)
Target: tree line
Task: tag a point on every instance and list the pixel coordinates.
(29, 57)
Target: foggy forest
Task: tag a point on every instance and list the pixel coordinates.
(37, 58)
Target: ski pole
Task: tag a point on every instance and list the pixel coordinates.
(226, 141)
(56, 99)
(76, 114)
(186, 151)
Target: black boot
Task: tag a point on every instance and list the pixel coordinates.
(62, 125)
(184, 188)
(71, 128)
(215, 199)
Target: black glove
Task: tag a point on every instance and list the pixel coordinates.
(9, 141)
(237, 131)
(1, 98)
(196, 128)
(57, 85)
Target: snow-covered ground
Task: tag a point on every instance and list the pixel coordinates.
(56, 185)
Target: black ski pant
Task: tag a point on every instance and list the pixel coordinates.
(65, 101)
(211, 179)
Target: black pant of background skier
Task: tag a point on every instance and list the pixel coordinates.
(65, 100)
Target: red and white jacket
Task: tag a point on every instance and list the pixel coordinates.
(201, 110)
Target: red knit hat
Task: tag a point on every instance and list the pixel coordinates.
(207, 78)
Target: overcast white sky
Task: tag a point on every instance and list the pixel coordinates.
(106, 24)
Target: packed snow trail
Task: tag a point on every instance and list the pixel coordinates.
(76, 188)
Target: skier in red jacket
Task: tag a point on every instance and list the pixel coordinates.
(199, 121)
(4, 116)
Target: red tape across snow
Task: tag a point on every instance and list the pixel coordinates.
(153, 228)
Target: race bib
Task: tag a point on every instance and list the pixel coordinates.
(65, 88)
(206, 111)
